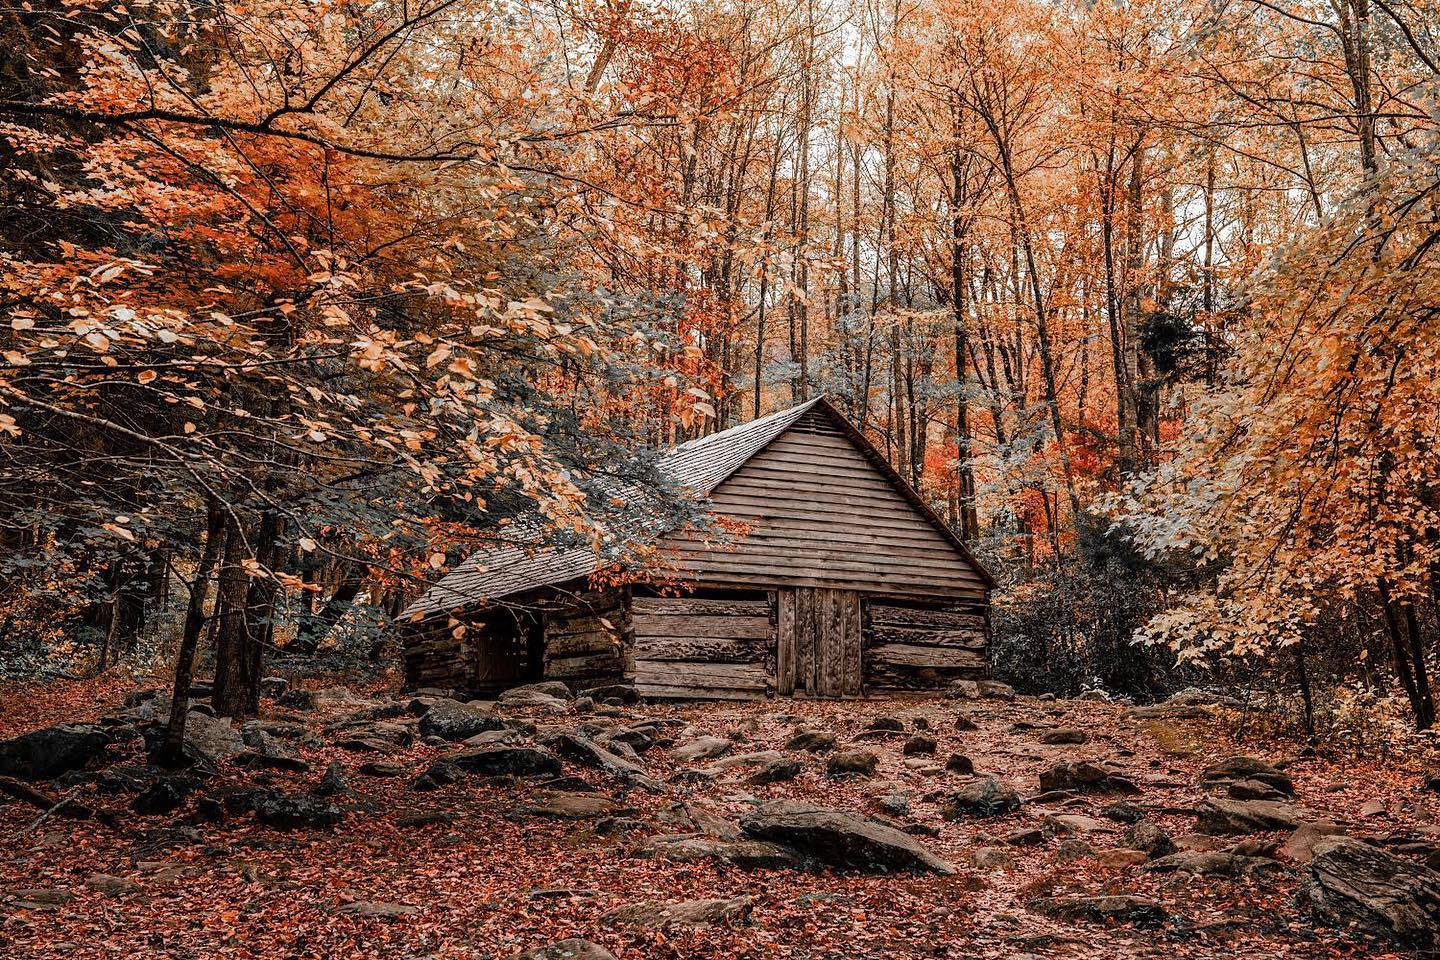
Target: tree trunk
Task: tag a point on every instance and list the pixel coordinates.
(172, 749)
(232, 639)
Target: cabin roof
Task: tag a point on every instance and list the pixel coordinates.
(699, 466)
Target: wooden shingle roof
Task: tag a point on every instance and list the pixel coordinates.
(499, 571)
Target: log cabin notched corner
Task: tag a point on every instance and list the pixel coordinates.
(844, 584)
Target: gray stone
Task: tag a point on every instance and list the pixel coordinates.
(1353, 882)
(559, 805)
(1150, 838)
(52, 751)
(919, 745)
(1300, 846)
(984, 797)
(111, 886)
(961, 764)
(500, 761)
(1140, 911)
(571, 949)
(1222, 815)
(692, 847)
(1087, 776)
(811, 741)
(1064, 736)
(376, 910)
(703, 748)
(453, 721)
(286, 811)
(1238, 770)
(852, 763)
(777, 771)
(1213, 863)
(657, 914)
(840, 839)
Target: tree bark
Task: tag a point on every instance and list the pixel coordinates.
(172, 749)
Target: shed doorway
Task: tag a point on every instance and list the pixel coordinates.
(818, 641)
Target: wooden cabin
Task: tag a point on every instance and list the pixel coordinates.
(841, 582)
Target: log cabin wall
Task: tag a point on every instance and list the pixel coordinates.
(922, 647)
(479, 653)
(588, 639)
(711, 647)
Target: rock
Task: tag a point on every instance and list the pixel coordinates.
(1094, 696)
(571, 949)
(1140, 911)
(1163, 711)
(332, 782)
(811, 741)
(963, 690)
(208, 739)
(839, 839)
(703, 748)
(373, 909)
(886, 725)
(40, 898)
(736, 760)
(992, 858)
(502, 761)
(1150, 838)
(1087, 776)
(298, 700)
(1120, 857)
(656, 914)
(918, 745)
(985, 797)
(1373, 808)
(1214, 863)
(111, 886)
(1300, 846)
(1221, 815)
(696, 819)
(995, 690)
(637, 739)
(163, 795)
(1075, 824)
(286, 811)
(570, 806)
(583, 750)
(1122, 811)
(747, 854)
(852, 763)
(556, 689)
(1353, 882)
(51, 751)
(379, 768)
(262, 760)
(1064, 736)
(273, 688)
(1073, 849)
(207, 810)
(961, 764)
(1028, 837)
(614, 693)
(777, 771)
(1254, 790)
(964, 723)
(453, 721)
(1237, 770)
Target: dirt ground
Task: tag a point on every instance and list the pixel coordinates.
(474, 876)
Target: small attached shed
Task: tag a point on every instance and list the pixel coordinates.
(842, 582)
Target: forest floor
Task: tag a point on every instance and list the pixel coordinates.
(485, 867)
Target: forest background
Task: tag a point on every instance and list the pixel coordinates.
(303, 300)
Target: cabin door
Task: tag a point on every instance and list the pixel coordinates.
(818, 642)
(508, 652)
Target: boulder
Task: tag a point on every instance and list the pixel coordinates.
(614, 693)
(693, 818)
(287, 811)
(379, 910)
(693, 847)
(919, 745)
(1140, 911)
(1064, 736)
(961, 764)
(985, 797)
(559, 805)
(703, 748)
(886, 725)
(332, 782)
(1087, 776)
(964, 723)
(995, 690)
(777, 771)
(852, 763)
(583, 750)
(1353, 882)
(840, 839)
(1300, 846)
(1237, 770)
(571, 949)
(657, 914)
(1150, 838)
(502, 761)
(273, 688)
(454, 721)
(164, 795)
(1222, 815)
(811, 741)
(1215, 863)
(51, 751)
(963, 690)
(110, 885)
(298, 700)
(208, 739)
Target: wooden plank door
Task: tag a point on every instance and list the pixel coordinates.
(818, 642)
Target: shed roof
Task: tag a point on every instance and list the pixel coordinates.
(698, 465)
